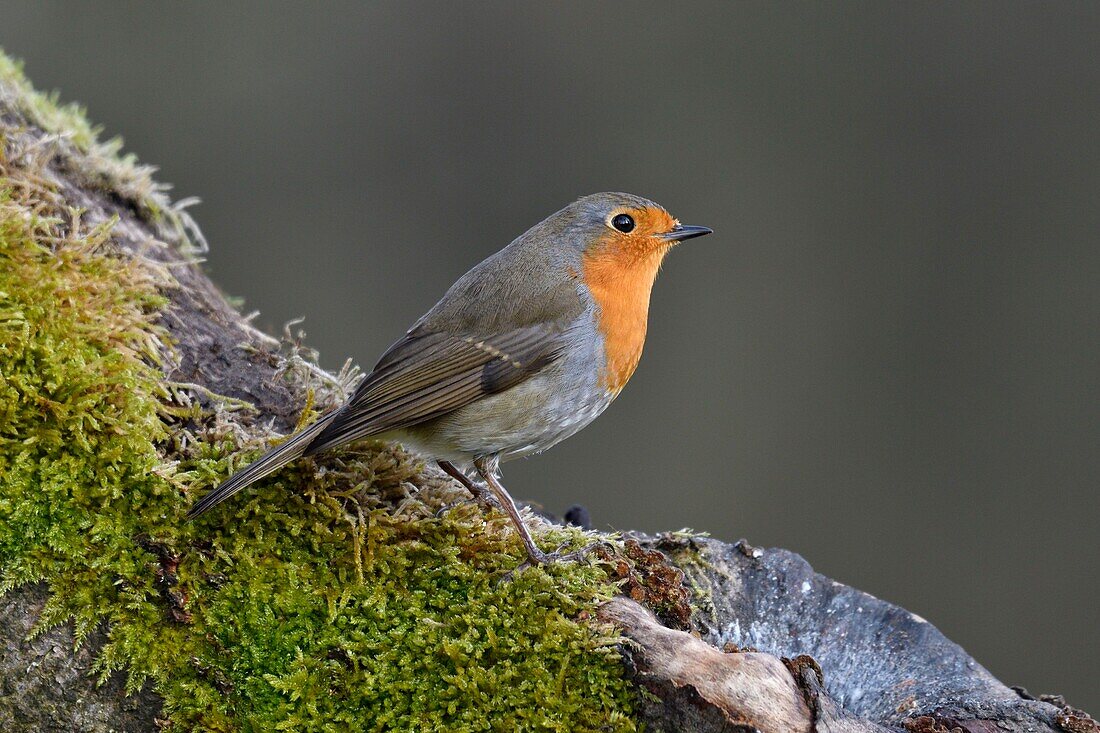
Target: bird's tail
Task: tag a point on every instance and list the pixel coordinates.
(266, 464)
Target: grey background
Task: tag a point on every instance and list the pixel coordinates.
(885, 358)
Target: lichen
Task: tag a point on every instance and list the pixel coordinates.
(323, 600)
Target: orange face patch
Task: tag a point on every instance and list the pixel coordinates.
(619, 271)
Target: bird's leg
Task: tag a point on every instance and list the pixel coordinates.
(482, 496)
(486, 467)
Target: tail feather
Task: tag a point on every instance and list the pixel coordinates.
(266, 464)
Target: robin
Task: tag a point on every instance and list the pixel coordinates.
(527, 348)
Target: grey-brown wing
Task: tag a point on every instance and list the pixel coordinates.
(428, 374)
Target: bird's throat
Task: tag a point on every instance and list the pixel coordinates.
(620, 282)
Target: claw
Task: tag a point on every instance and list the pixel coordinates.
(484, 500)
(575, 556)
(538, 557)
(487, 503)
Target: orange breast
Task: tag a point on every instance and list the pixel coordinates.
(620, 278)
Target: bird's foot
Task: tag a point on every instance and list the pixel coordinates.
(566, 557)
(483, 496)
(535, 556)
(486, 501)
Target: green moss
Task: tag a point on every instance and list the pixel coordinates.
(318, 602)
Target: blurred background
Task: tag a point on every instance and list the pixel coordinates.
(886, 358)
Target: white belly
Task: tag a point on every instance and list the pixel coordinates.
(528, 418)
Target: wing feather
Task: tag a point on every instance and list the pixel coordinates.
(427, 374)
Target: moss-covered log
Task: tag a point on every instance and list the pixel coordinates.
(361, 591)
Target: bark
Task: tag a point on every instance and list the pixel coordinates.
(760, 642)
(857, 663)
(45, 685)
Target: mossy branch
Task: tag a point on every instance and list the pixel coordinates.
(359, 592)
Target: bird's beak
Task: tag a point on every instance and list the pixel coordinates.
(680, 232)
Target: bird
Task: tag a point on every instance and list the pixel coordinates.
(524, 350)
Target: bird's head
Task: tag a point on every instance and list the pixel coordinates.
(617, 242)
(622, 229)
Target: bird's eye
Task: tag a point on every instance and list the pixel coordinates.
(624, 223)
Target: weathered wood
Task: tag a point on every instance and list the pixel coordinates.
(861, 664)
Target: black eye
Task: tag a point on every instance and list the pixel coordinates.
(624, 223)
